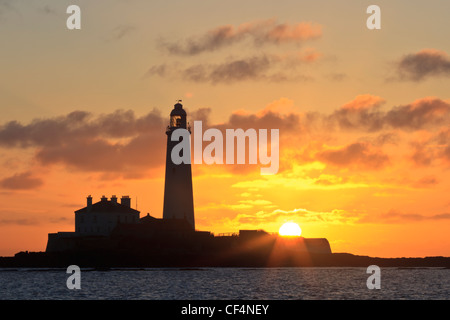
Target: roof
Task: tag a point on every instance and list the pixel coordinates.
(148, 218)
(178, 110)
(108, 206)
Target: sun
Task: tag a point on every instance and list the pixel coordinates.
(290, 229)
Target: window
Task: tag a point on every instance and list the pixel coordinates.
(175, 121)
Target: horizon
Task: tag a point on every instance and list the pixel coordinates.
(363, 117)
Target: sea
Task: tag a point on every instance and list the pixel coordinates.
(226, 284)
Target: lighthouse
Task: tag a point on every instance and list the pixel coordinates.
(178, 195)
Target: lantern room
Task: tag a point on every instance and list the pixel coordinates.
(178, 116)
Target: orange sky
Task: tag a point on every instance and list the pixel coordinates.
(363, 116)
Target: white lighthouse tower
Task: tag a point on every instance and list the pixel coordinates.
(178, 195)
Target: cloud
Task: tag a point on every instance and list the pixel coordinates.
(394, 216)
(446, 153)
(265, 67)
(442, 139)
(299, 215)
(119, 142)
(21, 181)
(292, 33)
(431, 147)
(78, 125)
(159, 70)
(227, 72)
(6, 6)
(363, 102)
(44, 132)
(122, 144)
(261, 32)
(423, 64)
(18, 221)
(114, 142)
(32, 221)
(360, 154)
(421, 154)
(301, 177)
(120, 32)
(281, 106)
(337, 76)
(261, 67)
(386, 138)
(443, 136)
(418, 114)
(365, 113)
(268, 119)
(47, 9)
(426, 182)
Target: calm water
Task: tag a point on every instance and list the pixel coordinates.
(226, 283)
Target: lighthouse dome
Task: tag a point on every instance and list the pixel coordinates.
(178, 110)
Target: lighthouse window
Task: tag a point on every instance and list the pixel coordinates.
(175, 121)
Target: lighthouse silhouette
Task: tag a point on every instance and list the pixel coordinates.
(178, 195)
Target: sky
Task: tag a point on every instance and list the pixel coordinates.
(363, 116)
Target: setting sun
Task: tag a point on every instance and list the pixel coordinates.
(290, 229)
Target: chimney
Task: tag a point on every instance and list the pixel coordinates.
(126, 201)
(104, 198)
(89, 203)
(114, 199)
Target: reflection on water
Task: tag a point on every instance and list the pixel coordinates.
(226, 283)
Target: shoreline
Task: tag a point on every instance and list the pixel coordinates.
(120, 260)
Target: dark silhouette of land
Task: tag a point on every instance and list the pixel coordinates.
(153, 242)
(165, 244)
(111, 260)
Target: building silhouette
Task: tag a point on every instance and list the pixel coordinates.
(178, 194)
(102, 217)
(111, 233)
